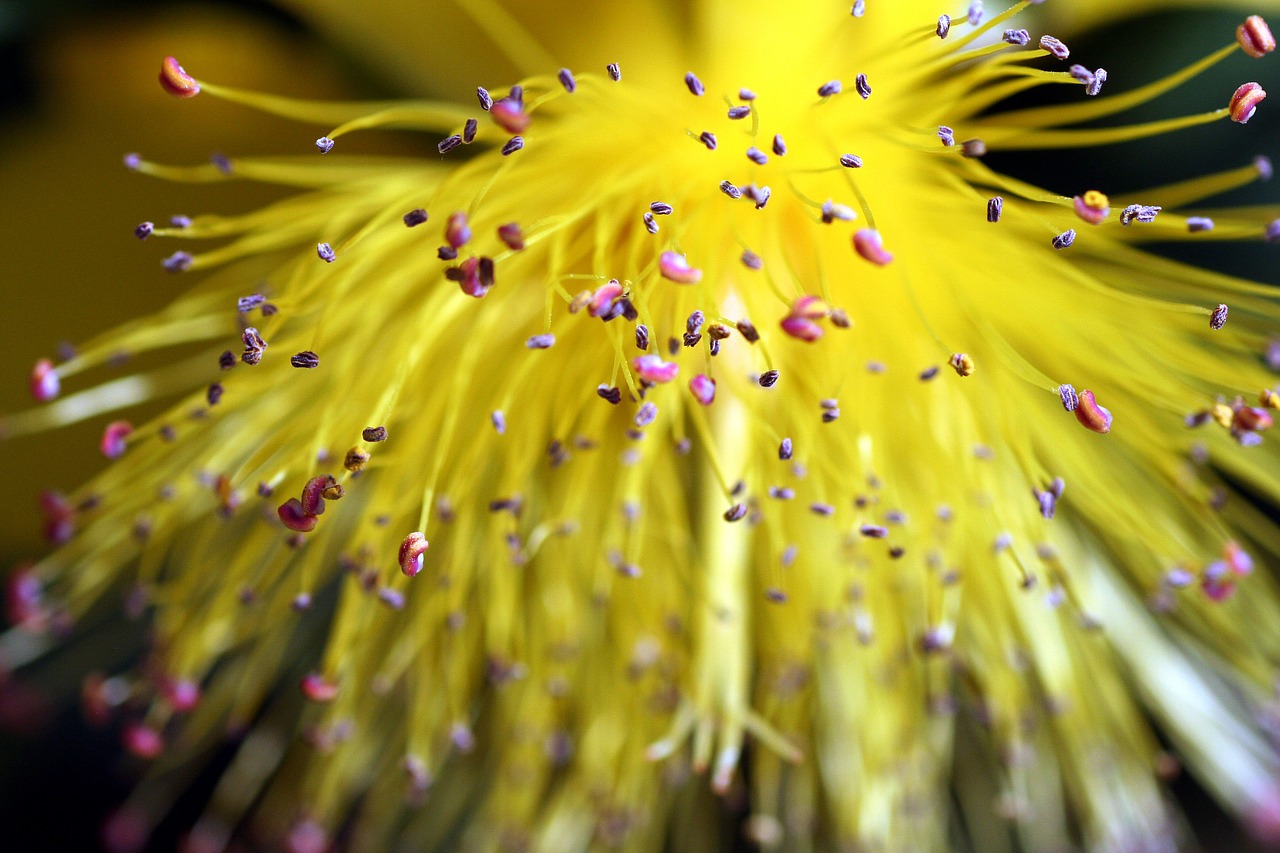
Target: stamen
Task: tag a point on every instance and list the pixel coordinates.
(544, 341)
(1017, 37)
(1144, 213)
(694, 84)
(178, 262)
(859, 8)
(1094, 86)
(768, 379)
(1069, 398)
(324, 144)
(374, 434)
(757, 156)
(565, 76)
(444, 146)
(1065, 239)
(1254, 37)
(513, 145)
(785, 449)
(944, 26)
(469, 131)
(650, 224)
(869, 245)
(995, 206)
(1199, 223)
(947, 135)
(1218, 318)
(1054, 46)
(975, 13)
(779, 146)
(863, 86)
(739, 113)
(305, 359)
(615, 73)
(851, 161)
(730, 190)
(962, 363)
(674, 267)
(415, 217)
(485, 99)
(708, 139)
(660, 208)
(1091, 415)
(325, 252)
(1245, 102)
(176, 81)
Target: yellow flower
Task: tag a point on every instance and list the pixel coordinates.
(718, 412)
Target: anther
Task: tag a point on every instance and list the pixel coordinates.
(1093, 207)
(355, 460)
(831, 87)
(760, 195)
(178, 262)
(1245, 102)
(651, 368)
(739, 112)
(755, 155)
(781, 493)
(1144, 213)
(511, 235)
(1079, 72)
(615, 73)
(213, 394)
(851, 161)
(1094, 86)
(180, 221)
(1054, 46)
(779, 146)
(324, 144)
(962, 363)
(485, 99)
(246, 304)
(832, 211)
(305, 359)
(1070, 400)
(995, 207)
(975, 13)
(293, 516)
(703, 388)
(1199, 223)
(859, 8)
(544, 341)
(1272, 232)
(143, 230)
(509, 115)
(316, 688)
(928, 373)
(873, 531)
(674, 267)
(946, 135)
(1254, 37)
(325, 252)
(469, 131)
(869, 245)
(708, 139)
(456, 230)
(1065, 239)
(944, 26)
(751, 260)
(1090, 414)
(374, 434)
(176, 81)
(863, 86)
(1218, 318)
(745, 94)
(114, 435)
(1262, 164)
(973, 148)
(609, 392)
(737, 512)
(768, 379)
(411, 553)
(44, 384)
(730, 190)
(661, 208)
(512, 145)
(1018, 37)
(565, 76)
(444, 146)
(650, 224)
(694, 84)
(415, 217)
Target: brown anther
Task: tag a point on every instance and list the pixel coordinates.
(962, 364)
(305, 359)
(748, 331)
(355, 460)
(1091, 415)
(1254, 37)
(176, 81)
(378, 433)
(736, 512)
(1218, 318)
(768, 379)
(1245, 102)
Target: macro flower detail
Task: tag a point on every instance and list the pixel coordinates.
(460, 564)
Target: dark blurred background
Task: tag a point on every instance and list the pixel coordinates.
(78, 90)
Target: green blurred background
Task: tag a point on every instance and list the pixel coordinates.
(79, 91)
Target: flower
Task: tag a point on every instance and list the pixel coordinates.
(435, 469)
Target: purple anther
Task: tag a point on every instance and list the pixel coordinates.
(831, 87)
(324, 144)
(784, 449)
(661, 208)
(512, 145)
(779, 146)
(730, 190)
(755, 155)
(1199, 223)
(695, 85)
(646, 414)
(143, 230)
(851, 161)
(306, 359)
(1054, 46)
(1065, 239)
(768, 379)
(615, 73)
(708, 139)
(486, 100)
(325, 252)
(543, 341)
(469, 131)
(739, 112)
(863, 86)
(415, 217)
(650, 224)
(565, 76)
(1018, 37)
(444, 146)
(178, 261)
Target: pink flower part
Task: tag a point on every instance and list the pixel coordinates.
(703, 388)
(113, 438)
(674, 267)
(604, 297)
(651, 368)
(870, 246)
(411, 553)
(44, 381)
